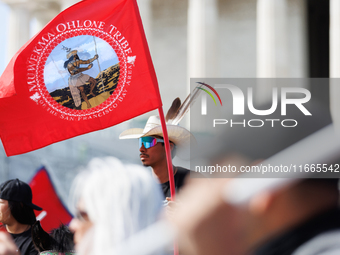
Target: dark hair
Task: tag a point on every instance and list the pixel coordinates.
(63, 239)
(68, 61)
(173, 152)
(60, 239)
(312, 190)
(22, 213)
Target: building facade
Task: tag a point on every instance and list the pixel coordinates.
(193, 39)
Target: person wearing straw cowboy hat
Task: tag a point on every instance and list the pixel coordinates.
(152, 149)
(77, 79)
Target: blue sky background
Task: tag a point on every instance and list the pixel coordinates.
(56, 76)
(4, 19)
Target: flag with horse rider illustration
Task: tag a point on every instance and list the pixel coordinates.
(74, 79)
(88, 69)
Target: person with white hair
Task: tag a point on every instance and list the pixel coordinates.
(114, 201)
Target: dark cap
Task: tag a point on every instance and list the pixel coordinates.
(18, 191)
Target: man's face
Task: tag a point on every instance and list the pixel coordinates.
(5, 212)
(153, 155)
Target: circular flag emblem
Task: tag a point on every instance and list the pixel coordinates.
(82, 72)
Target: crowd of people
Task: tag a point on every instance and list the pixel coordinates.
(119, 208)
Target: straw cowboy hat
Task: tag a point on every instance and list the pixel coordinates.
(180, 136)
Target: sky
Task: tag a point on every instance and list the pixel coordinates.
(4, 19)
(56, 76)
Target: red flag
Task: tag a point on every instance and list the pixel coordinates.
(6, 82)
(88, 69)
(45, 196)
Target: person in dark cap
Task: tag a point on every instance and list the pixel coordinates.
(17, 215)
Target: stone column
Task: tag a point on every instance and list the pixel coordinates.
(272, 51)
(145, 10)
(335, 62)
(202, 41)
(272, 39)
(67, 3)
(42, 17)
(19, 28)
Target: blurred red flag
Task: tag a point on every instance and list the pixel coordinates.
(7, 82)
(88, 69)
(45, 196)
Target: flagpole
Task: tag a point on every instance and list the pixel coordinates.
(168, 154)
(169, 161)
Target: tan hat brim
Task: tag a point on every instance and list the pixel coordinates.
(131, 133)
